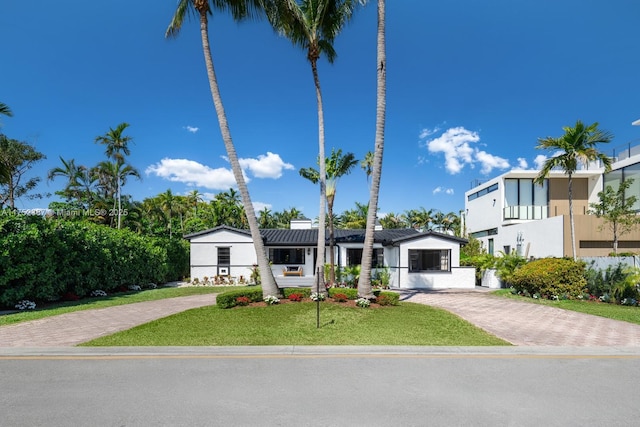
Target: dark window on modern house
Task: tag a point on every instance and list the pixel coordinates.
(483, 192)
(224, 256)
(429, 260)
(286, 255)
(354, 257)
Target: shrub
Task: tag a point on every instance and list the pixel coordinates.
(340, 297)
(550, 277)
(242, 301)
(318, 296)
(507, 264)
(295, 297)
(363, 302)
(388, 298)
(601, 282)
(228, 299)
(351, 293)
(304, 292)
(271, 300)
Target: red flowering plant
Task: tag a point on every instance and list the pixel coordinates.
(242, 301)
(295, 297)
(340, 297)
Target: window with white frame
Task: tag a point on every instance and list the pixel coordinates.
(421, 260)
(354, 257)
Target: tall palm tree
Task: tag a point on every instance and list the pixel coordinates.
(168, 204)
(239, 9)
(338, 165)
(72, 173)
(313, 25)
(4, 109)
(367, 164)
(193, 198)
(117, 144)
(364, 282)
(577, 146)
(4, 171)
(117, 148)
(112, 176)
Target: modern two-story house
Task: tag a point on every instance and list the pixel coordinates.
(510, 212)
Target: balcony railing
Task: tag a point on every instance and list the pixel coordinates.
(525, 212)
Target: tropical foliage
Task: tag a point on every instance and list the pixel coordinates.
(577, 148)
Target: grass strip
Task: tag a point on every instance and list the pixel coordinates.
(295, 324)
(596, 308)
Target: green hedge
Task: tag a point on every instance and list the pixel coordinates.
(351, 293)
(551, 277)
(42, 259)
(228, 299)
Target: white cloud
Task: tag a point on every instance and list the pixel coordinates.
(539, 161)
(456, 145)
(522, 163)
(193, 173)
(442, 190)
(266, 166)
(192, 129)
(258, 206)
(490, 162)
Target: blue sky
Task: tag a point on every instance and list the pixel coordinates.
(471, 86)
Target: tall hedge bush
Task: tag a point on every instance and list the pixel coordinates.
(41, 259)
(551, 277)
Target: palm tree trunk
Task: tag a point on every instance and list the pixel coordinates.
(364, 282)
(573, 228)
(320, 260)
(332, 244)
(269, 286)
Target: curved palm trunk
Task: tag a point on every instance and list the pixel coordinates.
(269, 286)
(573, 228)
(323, 182)
(364, 282)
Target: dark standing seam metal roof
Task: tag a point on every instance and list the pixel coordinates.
(309, 237)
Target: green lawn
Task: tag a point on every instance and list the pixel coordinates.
(610, 311)
(111, 300)
(296, 324)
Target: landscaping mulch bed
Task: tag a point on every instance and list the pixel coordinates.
(348, 303)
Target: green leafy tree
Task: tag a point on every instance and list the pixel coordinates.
(338, 165)
(577, 146)
(239, 9)
(313, 26)
(617, 211)
(16, 159)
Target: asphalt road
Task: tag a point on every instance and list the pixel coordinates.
(320, 387)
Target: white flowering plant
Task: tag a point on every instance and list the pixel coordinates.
(98, 293)
(134, 288)
(316, 296)
(271, 300)
(152, 286)
(25, 304)
(363, 302)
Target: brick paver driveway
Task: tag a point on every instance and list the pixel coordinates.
(528, 324)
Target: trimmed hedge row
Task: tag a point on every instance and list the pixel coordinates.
(229, 299)
(43, 259)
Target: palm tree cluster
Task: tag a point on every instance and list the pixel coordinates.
(98, 189)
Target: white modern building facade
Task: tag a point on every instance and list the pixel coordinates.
(512, 213)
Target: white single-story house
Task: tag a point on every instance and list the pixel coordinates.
(415, 260)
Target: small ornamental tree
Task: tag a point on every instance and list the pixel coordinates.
(617, 211)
